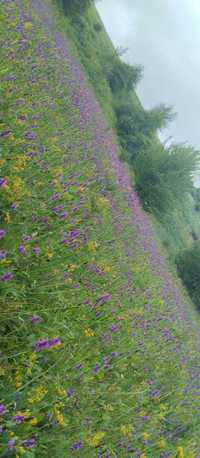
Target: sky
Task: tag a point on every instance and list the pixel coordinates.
(163, 36)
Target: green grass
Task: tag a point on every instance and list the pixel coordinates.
(95, 293)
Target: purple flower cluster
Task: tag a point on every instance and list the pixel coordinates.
(45, 344)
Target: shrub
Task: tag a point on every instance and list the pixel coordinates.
(188, 264)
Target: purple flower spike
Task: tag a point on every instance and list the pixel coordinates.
(14, 206)
(114, 328)
(3, 254)
(44, 344)
(36, 250)
(70, 392)
(36, 319)
(96, 368)
(7, 276)
(3, 182)
(29, 443)
(2, 233)
(27, 238)
(104, 298)
(11, 444)
(19, 419)
(77, 445)
(22, 249)
(2, 409)
(30, 135)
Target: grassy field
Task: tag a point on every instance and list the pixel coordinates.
(99, 349)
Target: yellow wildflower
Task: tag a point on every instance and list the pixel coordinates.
(92, 245)
(28, 25)
(18, 379)
(106, 268)
(21, 451)
(126, 430)
(162, 443)
(89, 332)
(146, 436)
(180, 453)
(96, 439)
(33, 421)
(61, 392)
(7, 218)
(2, 162)
(191, 455)
(72, 267)
(49, 255)
(37, 394)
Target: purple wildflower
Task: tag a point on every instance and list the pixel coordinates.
(14, 206)
(30, 135)
(3, 254)
(22, 249)
(106, 363)
(70, 392)
(2, 409)
(44, 344)
(104, 298)
(114, 328)
(36, 319)
(114, 354)
(19, 419)
(36, 250)
(27, 238)
(11, 444)
(96, 368)
(2, 233)
(64, 215)
(7, 276)
(29, 443)
(77, 445)
(3, 182)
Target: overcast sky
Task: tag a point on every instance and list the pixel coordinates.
(163, 36)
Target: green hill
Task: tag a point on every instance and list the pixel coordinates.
(99, 342)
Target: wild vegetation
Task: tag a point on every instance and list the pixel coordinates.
(99, 347)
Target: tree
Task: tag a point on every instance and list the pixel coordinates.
(188, 264)
(164, 175)
(75, 7)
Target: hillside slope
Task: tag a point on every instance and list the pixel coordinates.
(99, 346)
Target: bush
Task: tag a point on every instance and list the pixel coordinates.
(164, 175)
(188, 264)
(119, 74)
(136, 126)
(75, 7)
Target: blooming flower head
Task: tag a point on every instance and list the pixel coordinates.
(70, 392)
(36, 250)
(77, 445)
(3, 182)
(29, 443)
(44, 344)
(22, 249)
(36, 319)
(14, 206)
(7, 276)
(11, 444)
(2, 409)
(27, 238)
(3, 254)
(2, 233)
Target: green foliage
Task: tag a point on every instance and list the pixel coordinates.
(136, 127)
(188, 264)
(75, 7)
(121, 75)
(164, 175)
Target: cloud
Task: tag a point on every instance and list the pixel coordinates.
(163, 36)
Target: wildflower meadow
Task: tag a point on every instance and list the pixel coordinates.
(99, 348)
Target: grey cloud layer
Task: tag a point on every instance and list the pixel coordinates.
(163, 36)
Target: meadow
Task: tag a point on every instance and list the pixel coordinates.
(99, 341)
